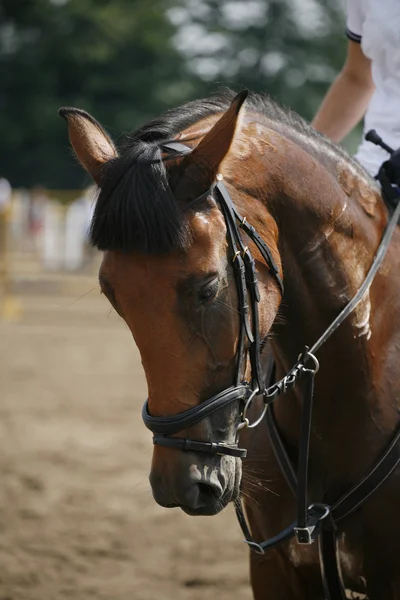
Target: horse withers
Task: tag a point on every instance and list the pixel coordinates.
(206, 320)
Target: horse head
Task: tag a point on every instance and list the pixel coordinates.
(168, 270)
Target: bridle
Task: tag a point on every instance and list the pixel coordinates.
(314, 520)
(248, 292)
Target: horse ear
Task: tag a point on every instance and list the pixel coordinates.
(201, 166)
(91, 144)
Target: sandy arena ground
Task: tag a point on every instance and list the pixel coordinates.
(77, 518)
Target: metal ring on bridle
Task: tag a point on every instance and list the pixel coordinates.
(245, 424)
(318, 506)
(303, 358)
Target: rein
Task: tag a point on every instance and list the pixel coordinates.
(315, 520)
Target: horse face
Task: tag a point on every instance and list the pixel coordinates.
(182, 312)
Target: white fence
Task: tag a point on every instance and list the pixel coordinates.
(51, 228)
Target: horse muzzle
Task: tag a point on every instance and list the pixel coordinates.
(198, 484)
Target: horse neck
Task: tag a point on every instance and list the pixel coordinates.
(328, 238)
(329, 231)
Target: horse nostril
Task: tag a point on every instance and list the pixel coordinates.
(201, 497)
(207, 492)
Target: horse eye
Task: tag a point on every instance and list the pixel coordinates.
(208, 291)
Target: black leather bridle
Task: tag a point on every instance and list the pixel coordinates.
(315, 520)
(248, 292)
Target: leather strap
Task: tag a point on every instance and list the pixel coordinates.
(175, 423)
(263, 248)
(329, 560)
(236, 244)
(352, 499)
(218, 448)
(376, 263)
(176, 147)
(280, 451)
(304, 449)
(319, 520)
(371, 482)
(263, 547)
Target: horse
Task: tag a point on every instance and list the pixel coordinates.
(169, 270)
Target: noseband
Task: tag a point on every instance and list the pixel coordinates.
(314, 520)
(249, 296)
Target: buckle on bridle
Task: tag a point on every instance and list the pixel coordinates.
(255, 547)
(305, 535)
(308, 534)
(236, 255)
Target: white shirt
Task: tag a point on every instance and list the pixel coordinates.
(376, 25)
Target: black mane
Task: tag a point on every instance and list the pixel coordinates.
(136, 209)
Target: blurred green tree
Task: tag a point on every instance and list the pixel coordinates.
(114, 59)
(290, 49)
(127, 60)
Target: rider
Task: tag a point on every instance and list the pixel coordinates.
(368, 84)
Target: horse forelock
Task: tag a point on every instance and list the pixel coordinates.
(136, 209)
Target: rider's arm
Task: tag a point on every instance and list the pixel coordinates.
(348, 97)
